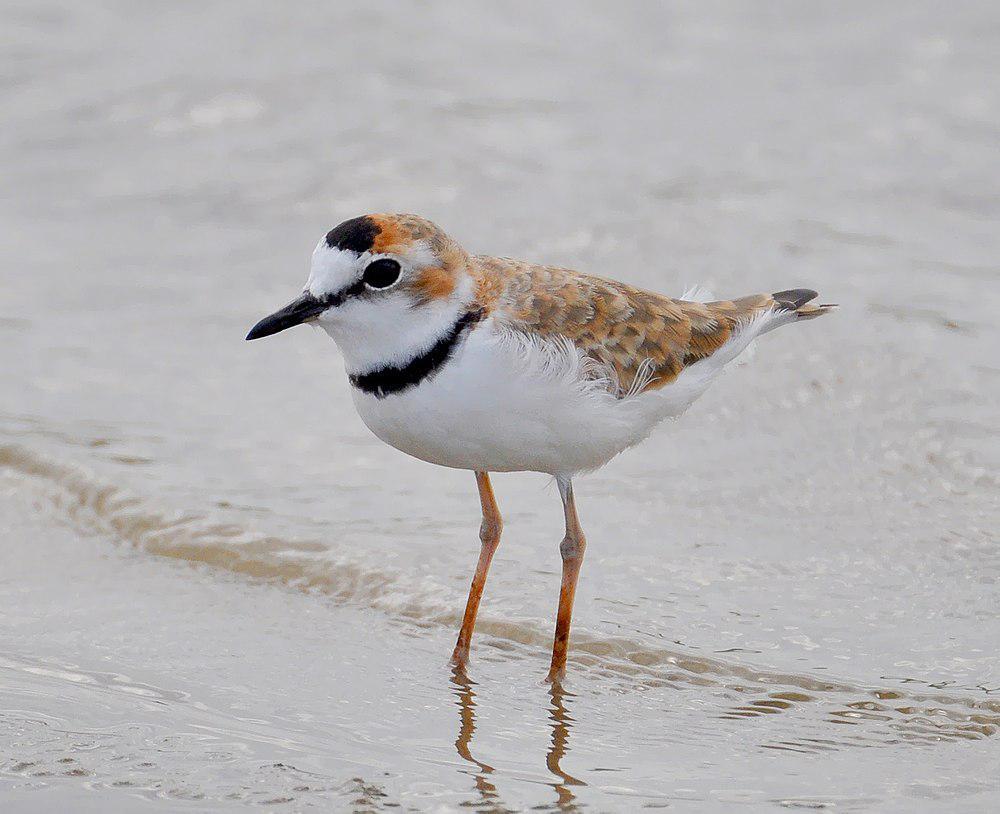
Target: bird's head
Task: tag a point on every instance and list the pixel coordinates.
(382, 286)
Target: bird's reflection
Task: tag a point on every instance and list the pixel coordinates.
(559, 746)
(462, 685)
(561, 724)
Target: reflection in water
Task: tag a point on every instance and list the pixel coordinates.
(559, 744)
(467, 726)
(84, 501)
(561, 724)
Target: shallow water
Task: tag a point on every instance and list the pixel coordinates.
(219, 590)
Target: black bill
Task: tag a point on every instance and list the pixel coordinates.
(295, 313)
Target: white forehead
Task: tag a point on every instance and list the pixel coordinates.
(333, 269)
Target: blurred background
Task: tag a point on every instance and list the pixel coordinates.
(219, 590)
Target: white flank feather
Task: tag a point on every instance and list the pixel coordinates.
(698, 293)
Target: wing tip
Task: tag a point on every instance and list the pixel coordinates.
(797, 300)
(794, 298)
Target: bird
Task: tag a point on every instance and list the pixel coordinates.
(491, 364)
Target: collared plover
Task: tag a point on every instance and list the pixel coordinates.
(497, 365)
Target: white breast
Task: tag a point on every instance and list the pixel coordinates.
(509, 402)
(505, 403)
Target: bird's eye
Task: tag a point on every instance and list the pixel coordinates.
(382, 273)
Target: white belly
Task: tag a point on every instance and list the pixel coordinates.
(507, 402)
(503, 404)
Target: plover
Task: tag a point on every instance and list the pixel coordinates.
(497, 365)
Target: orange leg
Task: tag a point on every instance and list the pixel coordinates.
(571, 549)
(489, 534)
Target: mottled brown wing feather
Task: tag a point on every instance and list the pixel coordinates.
(612, 323)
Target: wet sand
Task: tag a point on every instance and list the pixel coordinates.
(218, 590)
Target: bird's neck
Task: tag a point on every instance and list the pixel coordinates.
(400, 331)
(389, 380)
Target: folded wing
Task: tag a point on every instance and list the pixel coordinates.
(647, 339)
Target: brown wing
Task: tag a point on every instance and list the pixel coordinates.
(612, 323)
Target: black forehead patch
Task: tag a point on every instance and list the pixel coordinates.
(355, 235)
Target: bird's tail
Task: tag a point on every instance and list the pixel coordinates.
(797, 301)
(722, 330)
(758, 314)
(761, 313)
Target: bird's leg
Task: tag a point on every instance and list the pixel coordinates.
(489, 533)
(571, 548)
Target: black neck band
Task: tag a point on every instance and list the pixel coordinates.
(387, 381)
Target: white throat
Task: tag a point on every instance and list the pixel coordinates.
(394, 331)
